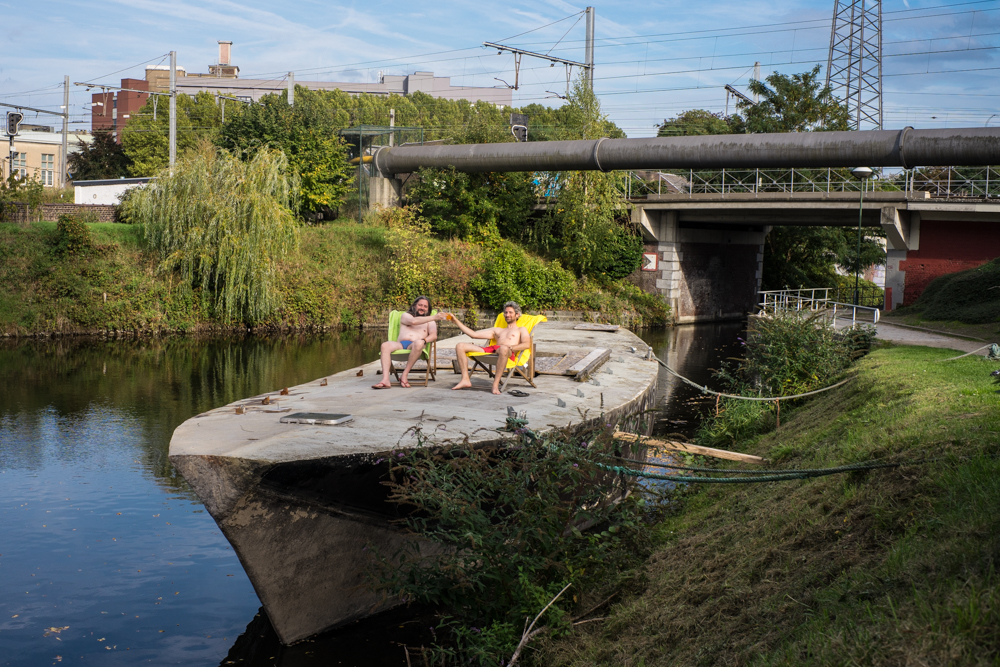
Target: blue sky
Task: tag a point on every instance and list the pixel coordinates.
(653, 59)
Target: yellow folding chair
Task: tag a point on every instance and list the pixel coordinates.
(523, 364)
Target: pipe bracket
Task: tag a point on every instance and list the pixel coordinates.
(902, 139)
(594, 156)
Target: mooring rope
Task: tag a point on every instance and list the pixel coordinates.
(991, 355)
(706, 390)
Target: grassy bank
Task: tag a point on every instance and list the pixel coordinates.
(342, 275)
(887, 567)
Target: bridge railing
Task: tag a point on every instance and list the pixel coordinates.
(940, 182)
(816, 300)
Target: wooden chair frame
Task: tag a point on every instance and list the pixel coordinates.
(488, 363)
(428, 355)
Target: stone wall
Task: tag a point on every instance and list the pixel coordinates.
(51, 212)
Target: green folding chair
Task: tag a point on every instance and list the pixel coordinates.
(429, 353)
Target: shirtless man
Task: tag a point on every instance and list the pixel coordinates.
(510, 340)
(417, 327)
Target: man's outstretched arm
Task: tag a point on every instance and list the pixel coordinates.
(413, 320)
(485, 334)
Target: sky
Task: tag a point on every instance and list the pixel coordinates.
(653, 60)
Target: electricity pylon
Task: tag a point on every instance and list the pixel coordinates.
(854, 66)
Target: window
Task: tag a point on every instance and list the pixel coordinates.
(20, 165)
(48, 168)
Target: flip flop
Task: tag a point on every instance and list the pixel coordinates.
(518, 393)
(379, 386)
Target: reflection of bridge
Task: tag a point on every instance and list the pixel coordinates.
(708, 240)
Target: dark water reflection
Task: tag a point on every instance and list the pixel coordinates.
(107, 557)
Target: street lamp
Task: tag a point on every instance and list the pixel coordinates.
(862, 174)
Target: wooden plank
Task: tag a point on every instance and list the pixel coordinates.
(583, 368)
(691, 449)
(589, 326)
(557, 365)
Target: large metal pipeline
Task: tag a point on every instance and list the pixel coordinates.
(878, 148)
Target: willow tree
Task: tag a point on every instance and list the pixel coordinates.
(223, 224)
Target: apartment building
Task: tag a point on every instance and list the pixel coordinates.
(39, 153)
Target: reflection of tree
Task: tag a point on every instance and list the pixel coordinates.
(159, 383)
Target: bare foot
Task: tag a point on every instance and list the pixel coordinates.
(404, 383)
(382, 385)
(496, 391)
(463, 384)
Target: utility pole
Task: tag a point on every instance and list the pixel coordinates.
(64, 162)
(589, 50)
(291, 89)
(756, 77)
(392, 123)
(173, 110)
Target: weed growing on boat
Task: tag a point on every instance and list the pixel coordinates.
(502, 530)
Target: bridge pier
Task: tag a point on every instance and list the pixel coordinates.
(706, 272)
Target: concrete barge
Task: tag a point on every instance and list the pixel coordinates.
(299, 502)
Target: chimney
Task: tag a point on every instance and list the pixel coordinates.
(225, 52)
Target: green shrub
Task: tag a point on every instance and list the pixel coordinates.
(508, 520)
(971, 296)
(511, 274)
(73, 237)
(785, 355)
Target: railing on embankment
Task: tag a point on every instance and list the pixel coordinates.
(817, 300)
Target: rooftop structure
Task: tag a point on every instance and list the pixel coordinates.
(436, 86)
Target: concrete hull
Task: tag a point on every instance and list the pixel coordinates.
(300, 503)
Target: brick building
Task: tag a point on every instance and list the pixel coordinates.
(111, 110)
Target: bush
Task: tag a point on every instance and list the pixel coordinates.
(508, 522)
(971, 296)
(510, 274)
(421, 264)
(785, 355)
(73, 237)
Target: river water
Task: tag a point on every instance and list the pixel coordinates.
(108, 558)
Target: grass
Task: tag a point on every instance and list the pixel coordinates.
(340, 277)
(888, 567)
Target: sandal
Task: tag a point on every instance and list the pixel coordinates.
(518, 393)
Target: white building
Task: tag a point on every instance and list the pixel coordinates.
(107, 192)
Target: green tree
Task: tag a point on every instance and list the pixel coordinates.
(476, 206)
(796, 103)
(589, 227)
(101, 158)
(694, 122)
(808, 256)
(145, 139)
(306, 133)
(223, 224)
